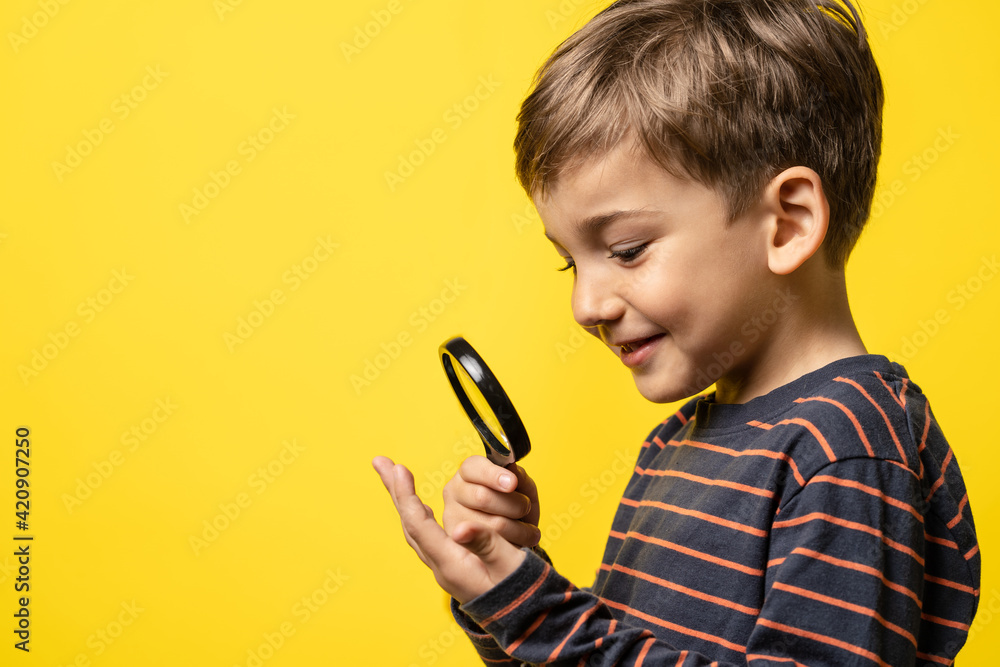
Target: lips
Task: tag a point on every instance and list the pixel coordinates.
(634, 345)
(637, 351)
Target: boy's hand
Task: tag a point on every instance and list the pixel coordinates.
(504, 499)
(468, 562)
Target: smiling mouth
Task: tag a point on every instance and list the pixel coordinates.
(628, 348)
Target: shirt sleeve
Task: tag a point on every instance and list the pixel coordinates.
(843, 586)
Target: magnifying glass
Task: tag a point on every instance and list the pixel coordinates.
(485, 402)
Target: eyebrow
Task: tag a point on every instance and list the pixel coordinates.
(594, 223)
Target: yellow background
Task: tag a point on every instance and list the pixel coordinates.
(457, 229)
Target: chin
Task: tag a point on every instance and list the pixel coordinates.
(666, 392)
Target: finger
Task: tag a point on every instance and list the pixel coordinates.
(492, 549)
(422, 532)
(516, 532)
(384, 466)
(526, 485)
(486, 500)
(480, 470)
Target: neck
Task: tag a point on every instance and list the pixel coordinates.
(816, 329)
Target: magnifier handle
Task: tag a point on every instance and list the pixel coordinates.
(502, 460)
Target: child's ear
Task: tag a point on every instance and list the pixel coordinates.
(798, 214)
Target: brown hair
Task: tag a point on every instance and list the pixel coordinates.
(727, 92)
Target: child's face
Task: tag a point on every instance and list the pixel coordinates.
(661, 278)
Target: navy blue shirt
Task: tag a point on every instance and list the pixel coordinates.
(825, 523)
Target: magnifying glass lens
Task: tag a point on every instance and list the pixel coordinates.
(485, 402)
(481, 406)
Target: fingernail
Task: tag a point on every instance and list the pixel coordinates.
(507, 481)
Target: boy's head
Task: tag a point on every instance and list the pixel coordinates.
(693, 161)
(725, 92)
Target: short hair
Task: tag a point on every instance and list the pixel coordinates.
(726, 92)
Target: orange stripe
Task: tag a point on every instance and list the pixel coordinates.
(743, 528)
(649, 618)
(951, 584)
(934, 658)
(781, 456)
(843, 604)
(947, 460)
(927, 427)
(823, 639)
(680, 660)
(885, 417)
(962, 503)
(645, 650)
(852, 525)
(972, 552)
(940, 480)
(733, 565)
(943, 621)
(524, 596)
(923, 438)
(815, 432)
(776, 561)
(858, 567)
(527, 633)
(850, 415)
(958, 517)
(871, 491)
(580, 621)
(681, 417)
(937, 485)
(707, 481)
(940, 540)
(889, 389)
(771, 658)
(902, 393)
(722, 602)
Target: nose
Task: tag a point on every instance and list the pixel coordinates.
(595, 299)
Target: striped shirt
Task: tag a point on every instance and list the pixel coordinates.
(825, 523)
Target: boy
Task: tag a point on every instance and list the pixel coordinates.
(705, 167)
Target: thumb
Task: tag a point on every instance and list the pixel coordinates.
(482, 541)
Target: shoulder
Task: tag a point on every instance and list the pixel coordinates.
(863, 413)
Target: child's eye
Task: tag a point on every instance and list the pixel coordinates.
(570, 264)
(628, 254)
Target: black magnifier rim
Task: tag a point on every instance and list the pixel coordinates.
(497, 399)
